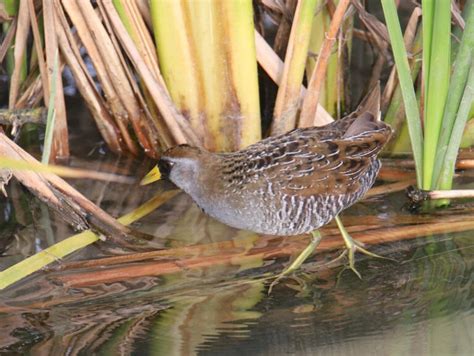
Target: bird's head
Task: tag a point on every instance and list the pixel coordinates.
(179, 164)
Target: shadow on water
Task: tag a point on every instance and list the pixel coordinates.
(213, 299)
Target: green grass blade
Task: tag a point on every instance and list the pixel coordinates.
(50, 119)
(406, 85)
(457, 88)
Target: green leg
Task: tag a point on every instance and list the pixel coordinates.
(352, 246)
(315, 240)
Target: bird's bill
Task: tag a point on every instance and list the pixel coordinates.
(151, 177)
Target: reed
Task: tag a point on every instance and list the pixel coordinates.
(288, 103)
(206, 51)
(458, 106)
(445, 98)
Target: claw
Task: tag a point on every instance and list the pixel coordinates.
(275, 282)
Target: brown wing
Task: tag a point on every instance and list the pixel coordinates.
(330, 159)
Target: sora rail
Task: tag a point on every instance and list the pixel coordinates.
(284, 185)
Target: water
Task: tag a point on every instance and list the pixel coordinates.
(212, 299)
(216, 300)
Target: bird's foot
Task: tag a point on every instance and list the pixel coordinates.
(296, 264)
(351, 247)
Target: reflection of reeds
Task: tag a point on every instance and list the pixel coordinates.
(71, 204)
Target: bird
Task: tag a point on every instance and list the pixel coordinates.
(284, 185)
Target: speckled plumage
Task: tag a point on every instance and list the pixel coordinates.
(284, 185)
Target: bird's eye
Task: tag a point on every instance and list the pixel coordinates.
(165, 167)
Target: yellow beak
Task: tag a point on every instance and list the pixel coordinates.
(151, 177)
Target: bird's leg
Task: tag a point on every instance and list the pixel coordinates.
(315, 240)
(352, 246)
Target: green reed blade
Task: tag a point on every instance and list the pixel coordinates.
(395, 114)
(457, 90)
(427, 16)
(449, 161)
(406, 85)
(436, 85)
